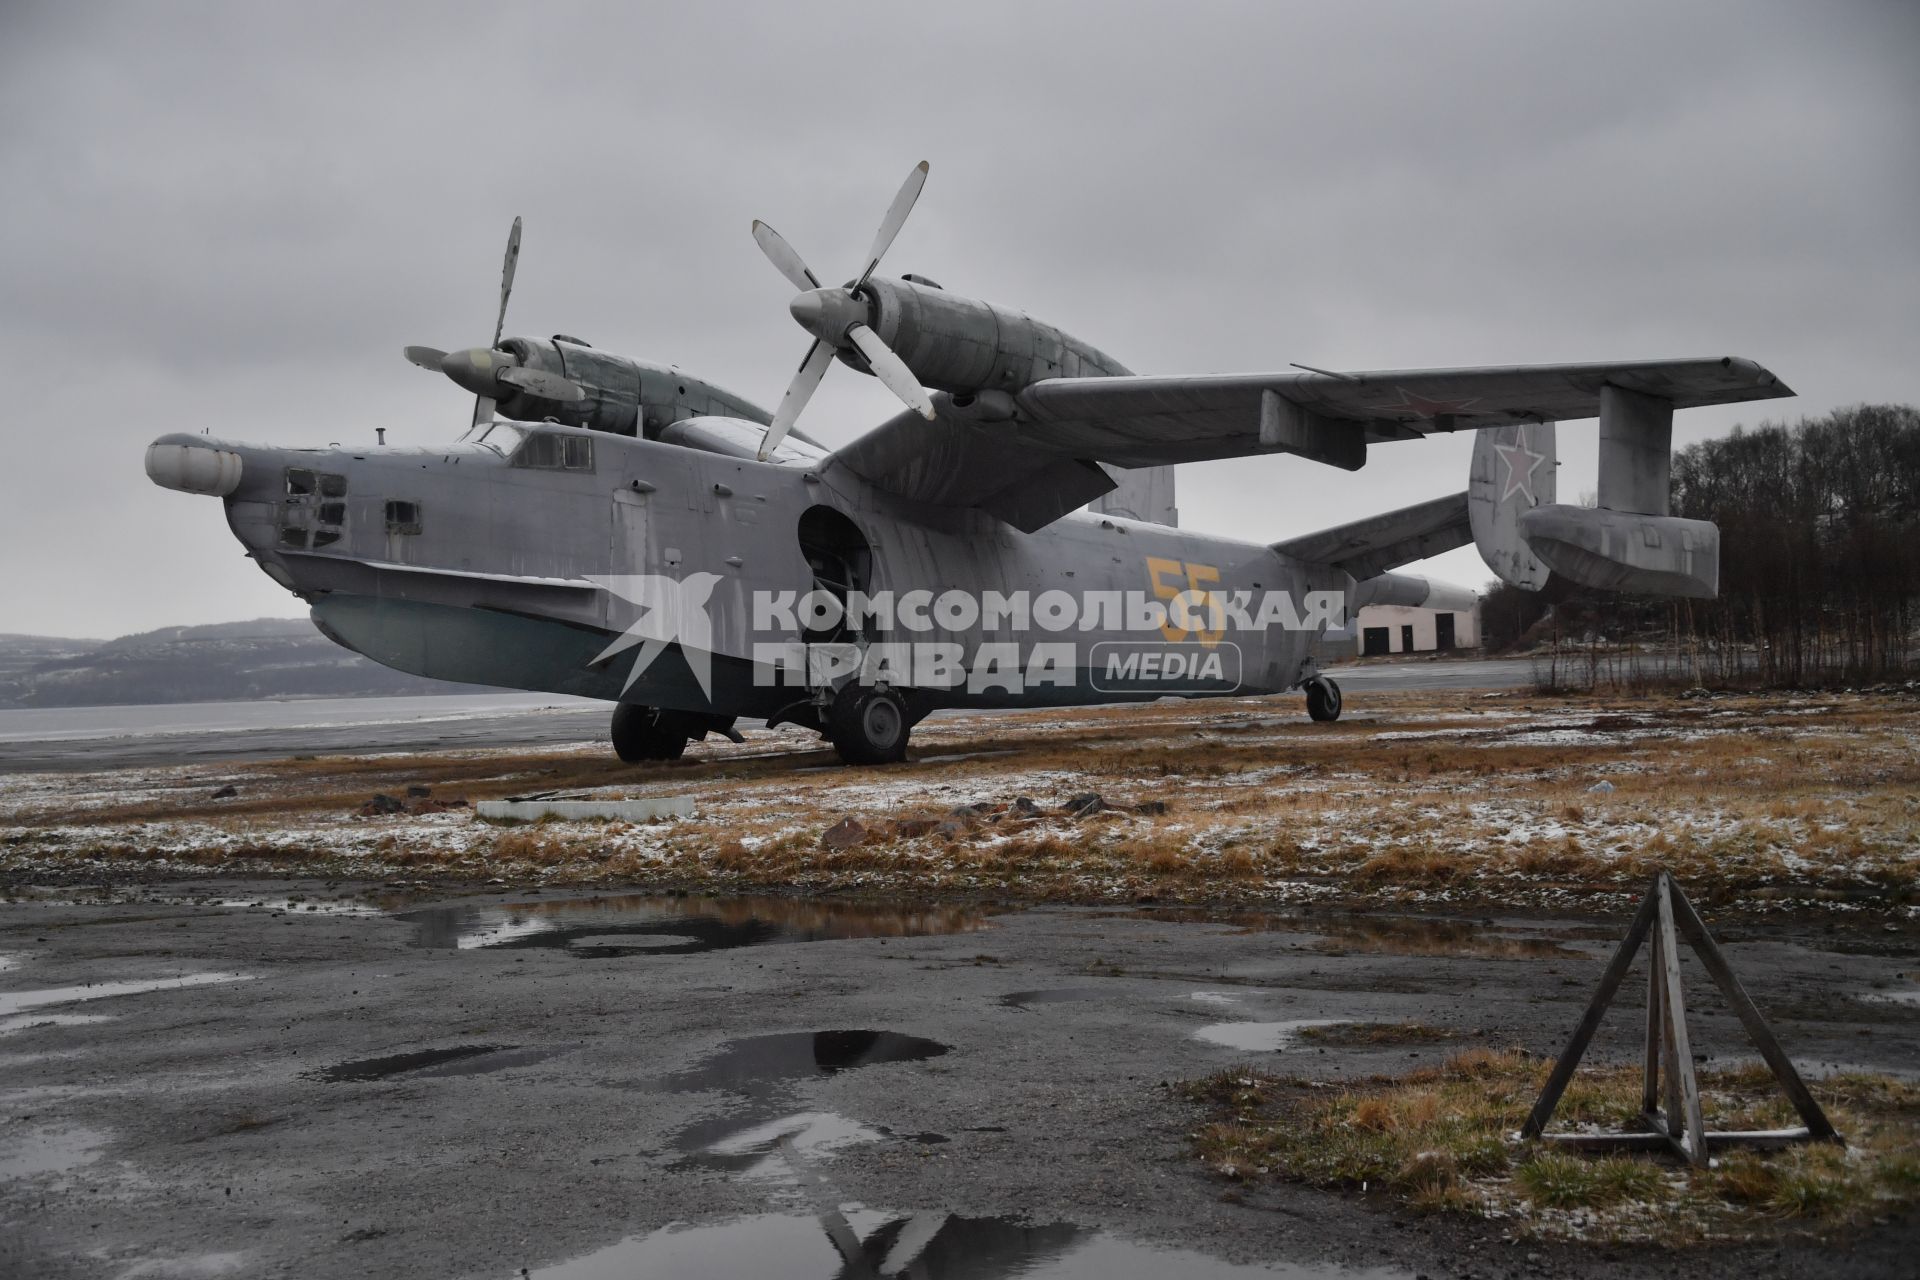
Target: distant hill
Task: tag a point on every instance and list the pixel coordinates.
(224, 662)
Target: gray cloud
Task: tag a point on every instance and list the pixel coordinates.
(231, 217)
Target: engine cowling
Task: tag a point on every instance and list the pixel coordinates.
(963, 345)
(622, 395)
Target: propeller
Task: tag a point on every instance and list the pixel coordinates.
(837, 319)
(489, 372)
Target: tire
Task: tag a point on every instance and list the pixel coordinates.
(1323, 699)
(638, 736)
(869, 726)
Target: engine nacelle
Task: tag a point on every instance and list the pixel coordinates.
(623, 396)
(963, 345)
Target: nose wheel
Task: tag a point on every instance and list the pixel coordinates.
(1323, 699)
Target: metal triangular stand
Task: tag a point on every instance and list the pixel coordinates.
(1678, 1125)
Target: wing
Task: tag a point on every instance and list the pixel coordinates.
(1045, 460)
(1369, 547)
(1331, 417)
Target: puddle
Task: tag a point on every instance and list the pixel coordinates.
(1911, 997)
(48, 1151)
(927, 1246)
(1260, 1037)
(1053, 995)
(30, 1021)
(765, 1136)
(460, 1060)
(1415, 936)
(1216, 997)
(302, 906)
(660, 924)
(753, 1064)
(12, 1002)
(8, 962)
(1385, 935)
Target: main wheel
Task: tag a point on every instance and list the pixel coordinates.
(1323, 699)
(868, 726)
(638, 735)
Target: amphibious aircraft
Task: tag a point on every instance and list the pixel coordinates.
(624, 530)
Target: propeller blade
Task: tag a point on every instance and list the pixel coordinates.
(799, 391)
(896, 217)
(506, 279)
(482, 409)
(548, 386)
(781, 254)
(426, 357)
(892, 370)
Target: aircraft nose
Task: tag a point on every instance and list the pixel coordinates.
(191, 464)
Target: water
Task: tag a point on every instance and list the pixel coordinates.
(660, 924)
(765, 1133)
(12, 1002)
(67, 724)
(1260, 1037)
(461, 1060)
(752, 1065)
(929, 1246)
(1050, 995)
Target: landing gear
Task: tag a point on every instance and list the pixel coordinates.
(643, 733)
(868, 725)
(1323, 699)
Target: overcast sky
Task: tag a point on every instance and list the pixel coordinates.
(232, 217)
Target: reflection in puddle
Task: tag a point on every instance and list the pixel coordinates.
(764, 1135)
(747, 1066)
(660, 924)
(1051, 995)
(18, 1001)
(1388, 935)
(1260, 1037)
(1416, 936)
(928, 1246)
(461, 1060)
(48, 1151)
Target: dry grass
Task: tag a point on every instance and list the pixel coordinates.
(1485, 800)
(1446, 1138)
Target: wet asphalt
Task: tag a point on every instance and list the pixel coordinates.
(637, 1086)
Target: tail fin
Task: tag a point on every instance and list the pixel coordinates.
(1627, 543)
(1514, 472)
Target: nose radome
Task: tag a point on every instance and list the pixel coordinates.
(189, 465)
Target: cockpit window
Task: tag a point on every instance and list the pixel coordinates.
(549, 450)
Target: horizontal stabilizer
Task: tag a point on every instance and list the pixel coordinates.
(1370, 547)
(1414, 593)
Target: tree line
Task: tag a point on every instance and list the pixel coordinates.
(1819, 557)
